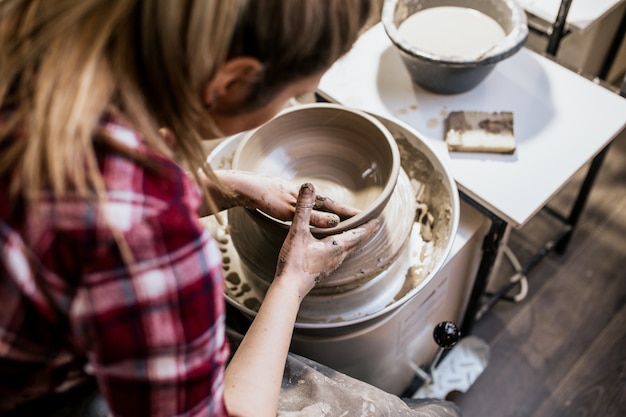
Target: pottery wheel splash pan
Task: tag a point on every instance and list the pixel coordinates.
(416, 264)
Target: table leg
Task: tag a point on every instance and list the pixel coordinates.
(559, 241)
(491, 245)
(572, 220)
(558, 28)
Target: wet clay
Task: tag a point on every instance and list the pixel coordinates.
(258, 244)
(233, 279)
(451, 31)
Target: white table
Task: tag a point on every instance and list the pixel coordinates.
(587, 19)
(562, 121)
(582, 14)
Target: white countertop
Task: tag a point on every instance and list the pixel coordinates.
(582, 13)
(561, 120)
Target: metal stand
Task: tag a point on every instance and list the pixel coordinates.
(558, 28)
(558, 243)
(556, 31)
(491, 245)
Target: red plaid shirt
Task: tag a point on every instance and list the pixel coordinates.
(150, 331)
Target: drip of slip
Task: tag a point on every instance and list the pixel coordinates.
(474, 131)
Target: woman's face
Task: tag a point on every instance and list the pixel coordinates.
(230, 122)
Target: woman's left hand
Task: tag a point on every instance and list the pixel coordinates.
(277, 198)
(272, 195)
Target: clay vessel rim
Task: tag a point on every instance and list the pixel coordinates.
(375, 206)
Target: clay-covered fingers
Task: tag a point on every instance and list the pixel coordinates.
(298, 251)
(324, 220)
(328, 213)
(278, 199)
(304, 208)
(351, 239)
(342, 245)
(330, 205)
(310, 259)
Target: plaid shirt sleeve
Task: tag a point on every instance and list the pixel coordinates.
(153, 326)
(149, 319)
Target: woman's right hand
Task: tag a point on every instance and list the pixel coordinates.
(314, 259)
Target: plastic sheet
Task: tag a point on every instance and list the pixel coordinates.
(312, 389)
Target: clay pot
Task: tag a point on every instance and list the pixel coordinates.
(347, 154)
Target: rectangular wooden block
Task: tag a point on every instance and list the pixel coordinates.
(473, 131)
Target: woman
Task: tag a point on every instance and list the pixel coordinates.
(106, 273)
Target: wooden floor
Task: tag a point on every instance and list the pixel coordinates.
(562, 350)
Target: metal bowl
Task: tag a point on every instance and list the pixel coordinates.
(455, 74)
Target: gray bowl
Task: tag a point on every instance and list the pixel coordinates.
(454, 74)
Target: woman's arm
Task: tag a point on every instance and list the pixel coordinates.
(253, 377)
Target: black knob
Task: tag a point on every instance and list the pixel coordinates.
(446, 334)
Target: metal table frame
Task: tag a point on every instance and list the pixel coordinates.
(476, 307)
(560, 240)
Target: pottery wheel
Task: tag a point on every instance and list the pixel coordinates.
(349, 305)
(371, 282)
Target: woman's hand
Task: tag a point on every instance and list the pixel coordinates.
(309, 258)
(277, 198)
(273, 196)
(253, 376)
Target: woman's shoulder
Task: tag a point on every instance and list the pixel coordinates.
(140, 173)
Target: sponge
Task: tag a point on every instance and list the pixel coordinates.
(474, 131)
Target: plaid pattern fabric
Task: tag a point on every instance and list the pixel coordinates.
(149, 327)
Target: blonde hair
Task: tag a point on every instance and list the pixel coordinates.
(63, 63)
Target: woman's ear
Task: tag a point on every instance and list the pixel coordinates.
(232, 83)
